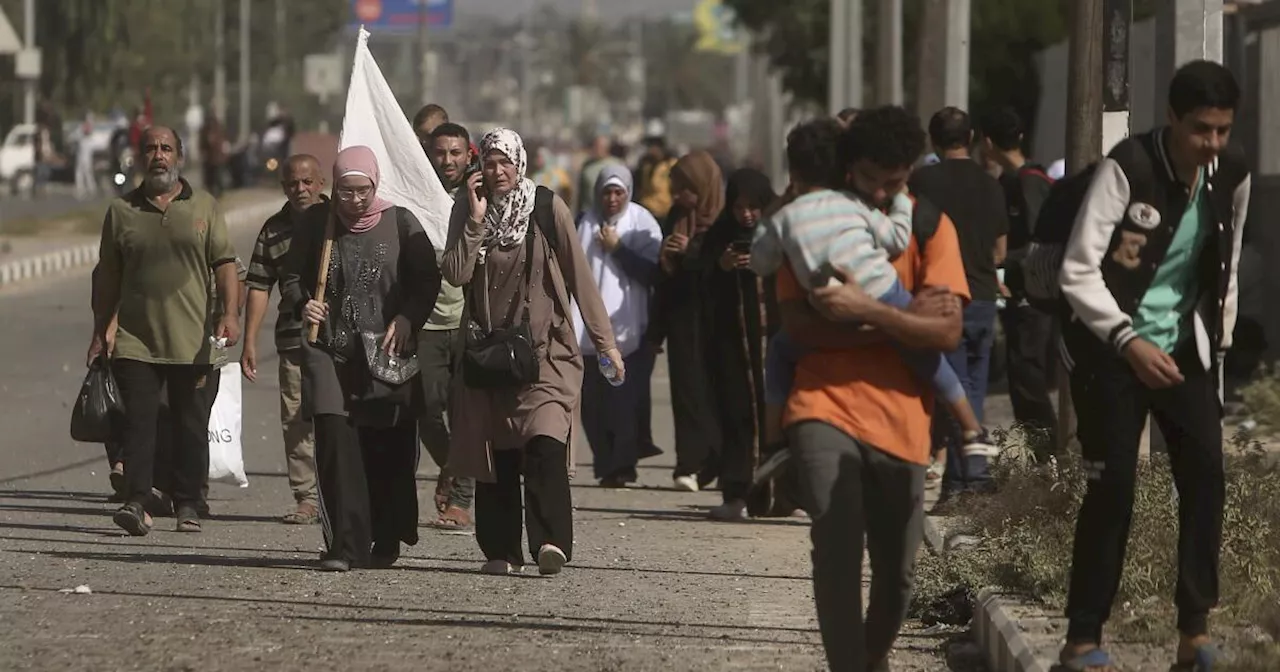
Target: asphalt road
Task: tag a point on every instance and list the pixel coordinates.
(654, 586)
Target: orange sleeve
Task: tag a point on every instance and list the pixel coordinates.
(942, 265)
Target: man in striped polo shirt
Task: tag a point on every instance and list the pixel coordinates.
(303, 185)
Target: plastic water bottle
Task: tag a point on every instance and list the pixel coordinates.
(609, 372)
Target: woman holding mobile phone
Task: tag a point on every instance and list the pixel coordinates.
(744, 314)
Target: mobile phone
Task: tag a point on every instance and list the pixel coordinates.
(741, 246)
(825, 276)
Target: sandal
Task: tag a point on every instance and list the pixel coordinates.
(1206, 656)
(1093, 659)
(306, 514)
(132, 519)
(453, 518)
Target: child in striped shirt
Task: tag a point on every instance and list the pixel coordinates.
(824, 229)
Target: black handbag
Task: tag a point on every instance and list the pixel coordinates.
(502, 358)
(99, 407)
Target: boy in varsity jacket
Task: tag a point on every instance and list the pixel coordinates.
(1149, 273)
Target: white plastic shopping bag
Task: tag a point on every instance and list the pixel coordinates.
(226, 459)
(375, 119)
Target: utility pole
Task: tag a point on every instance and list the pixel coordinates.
(29, 42)
(526, 72)
(424, 46)
(889, 53)
(220, 61)
(1084, 140)
(245, 86)
(959, 20)
(932, 68)
(837, 39)
(845, 45)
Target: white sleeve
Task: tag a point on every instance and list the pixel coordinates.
(1081, 276)
(1231, 302)
(767, 253)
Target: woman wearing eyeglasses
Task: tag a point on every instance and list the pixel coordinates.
(382, 282)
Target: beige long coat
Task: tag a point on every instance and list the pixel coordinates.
(488, 420)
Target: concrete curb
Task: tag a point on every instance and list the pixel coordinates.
(996, 632)
(86, 254)
(1000, 638)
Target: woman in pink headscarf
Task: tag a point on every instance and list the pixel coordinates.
(381, 287)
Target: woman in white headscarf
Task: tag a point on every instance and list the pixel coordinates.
(514, 249)
(621, 240)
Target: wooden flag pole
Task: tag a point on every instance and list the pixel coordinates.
(322, 277)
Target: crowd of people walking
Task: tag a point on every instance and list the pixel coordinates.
(815, 329)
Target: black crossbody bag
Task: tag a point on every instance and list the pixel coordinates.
(504, 358)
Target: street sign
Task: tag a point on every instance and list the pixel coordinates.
(400, 15)
(323, 74)
(9, 42)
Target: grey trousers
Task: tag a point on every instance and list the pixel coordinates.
(849, 490)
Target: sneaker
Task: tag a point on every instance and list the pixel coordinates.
(979, 446)
(497, 568)
(730, 512)
(550, 560)
(686, 484)
(335, 565)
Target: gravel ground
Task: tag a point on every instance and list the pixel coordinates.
(653, 585)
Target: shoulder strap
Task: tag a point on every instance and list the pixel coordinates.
(925, 218)
(544, 215)
(1035, 171)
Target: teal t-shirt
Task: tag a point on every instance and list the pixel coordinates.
(1161, 317)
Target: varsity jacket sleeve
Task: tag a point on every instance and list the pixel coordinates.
(1081, 276)
(1231, 302)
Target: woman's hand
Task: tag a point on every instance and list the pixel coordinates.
(479, 204)
(672, 248)
(398, 334)
(615, 358)
(732, 260)
(609, 238)
(315, 312)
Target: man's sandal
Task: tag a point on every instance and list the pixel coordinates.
(453, 518)
(306, 514)
(1206, 656)
(132, 519)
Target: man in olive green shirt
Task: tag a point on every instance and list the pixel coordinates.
(449, 148)
(161, 243)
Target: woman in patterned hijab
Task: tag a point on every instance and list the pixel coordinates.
(514, 248)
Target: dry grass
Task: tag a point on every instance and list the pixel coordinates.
(1025, 533)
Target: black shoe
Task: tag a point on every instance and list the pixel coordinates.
(159, 505)
(132, 519)
(335, 565)
(188, 519)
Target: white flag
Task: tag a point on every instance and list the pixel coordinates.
(374, 119)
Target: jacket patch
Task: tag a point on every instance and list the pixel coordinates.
(1144, 216)
(1128, 253)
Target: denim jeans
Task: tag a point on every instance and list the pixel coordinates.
(972, 362)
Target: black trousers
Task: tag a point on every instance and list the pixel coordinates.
(187, 389)
(1112, 406)
(1030, 335)
(368, 495)
(737, 408)
(612, 416)
(547, 509)
(693, 405)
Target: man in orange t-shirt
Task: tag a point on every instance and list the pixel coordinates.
(858, 420)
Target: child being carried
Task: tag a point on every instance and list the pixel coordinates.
(825, 229)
